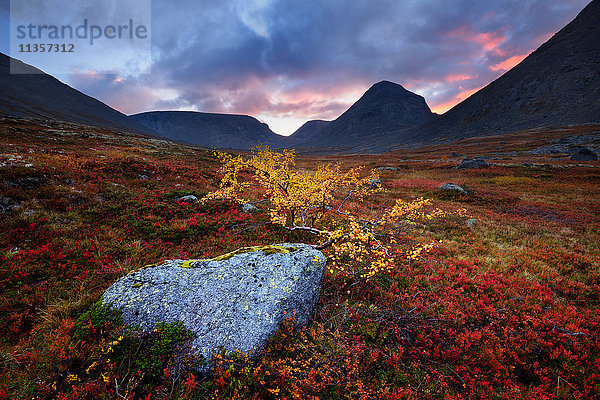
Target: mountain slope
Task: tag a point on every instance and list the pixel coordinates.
(558, 84)
(39, 95)
(210, 130)
(307, 131)
(385, 108)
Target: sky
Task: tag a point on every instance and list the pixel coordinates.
(288, 61)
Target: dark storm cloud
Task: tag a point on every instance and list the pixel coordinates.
(306, 58)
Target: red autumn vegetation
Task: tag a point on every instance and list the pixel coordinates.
(505, 308)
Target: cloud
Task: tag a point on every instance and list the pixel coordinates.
(508, 63)
(296, 59)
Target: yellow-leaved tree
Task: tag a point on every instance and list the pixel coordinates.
(327, 202)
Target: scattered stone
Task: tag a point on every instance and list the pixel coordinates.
(235, 301)
(190, 198)
(249, 208)
(7, 204)
(29, 182)
(584, 154)
(143, 177)
(471, 222)
(386, 169)
(477, 162)
(550, 149)
(452, 186)
(578, 140)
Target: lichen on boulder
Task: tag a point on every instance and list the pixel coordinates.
(232, 302)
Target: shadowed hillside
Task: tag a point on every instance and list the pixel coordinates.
(210, 130)
(307, 131)
(386, 108)
(558, 84)
(39, 95)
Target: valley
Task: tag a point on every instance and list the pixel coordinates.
(504, 305)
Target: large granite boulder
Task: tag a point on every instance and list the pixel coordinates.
(232, 302)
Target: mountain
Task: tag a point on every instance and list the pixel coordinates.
(39, 95)
(211, 130)
(556, 85)
(386, 108)
(307, 131)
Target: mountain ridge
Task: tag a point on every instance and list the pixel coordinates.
(39, 95)
(557, 84)
(307, 131)
(233, 131)
(384, 107)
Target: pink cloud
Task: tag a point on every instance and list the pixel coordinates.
(457, 77)
(463, 94)
(508, 63)
(266, 97)
(488, 41)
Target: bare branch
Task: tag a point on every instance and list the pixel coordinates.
(339, 210)
(307, 229)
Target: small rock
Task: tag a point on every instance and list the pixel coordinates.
(249, 208)
(143, 177)
(471, 223)
(7, 204)
(386, 169)
(190, 198)
(375, 182)
(452, 186)
(454, 154)
(477, 162)
(527, 164)
(584, 154)
(30, 182)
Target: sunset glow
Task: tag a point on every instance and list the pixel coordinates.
(508, 63)
(288, 62)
